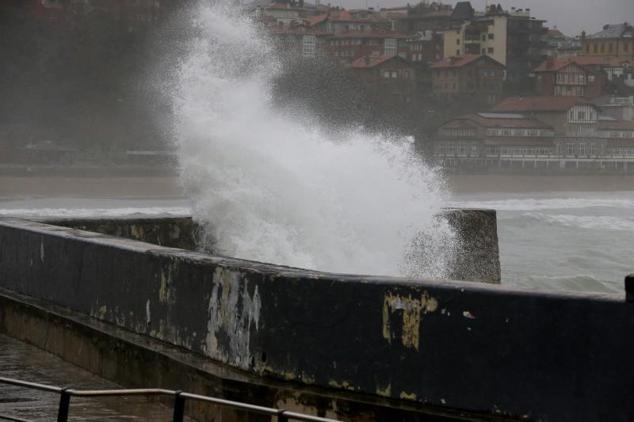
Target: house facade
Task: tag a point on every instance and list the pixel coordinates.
(538, 133)
(469, 75)
(564, 77)
(614, 40)
(349, 46)
(390, 78)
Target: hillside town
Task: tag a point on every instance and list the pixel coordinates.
(478, 89)
(523, 94)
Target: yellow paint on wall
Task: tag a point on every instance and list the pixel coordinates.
(413, 311)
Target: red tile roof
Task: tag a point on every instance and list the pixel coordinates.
(459, 61)
(554, 32)
(496, 122)
(370, 34)
(531, 104)
(316, 20)
(343, 15)
(557, 64)
(615, 125)
(367, 62)
(519, 141)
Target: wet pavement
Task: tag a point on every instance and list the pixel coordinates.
(25, 362)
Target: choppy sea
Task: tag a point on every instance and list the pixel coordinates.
(581, 240)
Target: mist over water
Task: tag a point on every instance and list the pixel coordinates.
(275, 187)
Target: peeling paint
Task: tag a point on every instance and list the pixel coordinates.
(342, 385)
(232, 313)
(413, 310)
(165, 282)
(407, 396)
(148, 315)
(385, 392)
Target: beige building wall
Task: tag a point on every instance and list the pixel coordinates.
(623, 47)
(493, 45)
(453, 42)
(499, 42)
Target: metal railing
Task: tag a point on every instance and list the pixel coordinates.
(179, 401)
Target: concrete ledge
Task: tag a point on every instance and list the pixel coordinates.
(477, 254)
(170, 231)
(477, 347)
(135, 360)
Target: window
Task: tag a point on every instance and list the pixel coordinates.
(309, 43)
(610, 48)
(484, 37)
(457, 52)
(595, 48)
(590, 78)
(490, 50)
(484, 51)
(581, 115)
(458, 41)
(394, 75)
(491, 36)
(386, 74)
(390, 47)
(603, 48)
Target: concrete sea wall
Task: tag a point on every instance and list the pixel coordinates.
(454, 345)
(477, 256)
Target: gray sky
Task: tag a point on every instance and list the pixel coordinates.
(570, 16)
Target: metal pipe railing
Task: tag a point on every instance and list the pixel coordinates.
(179, 401)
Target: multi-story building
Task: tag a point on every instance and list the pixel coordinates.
(485, 134)
(468, 76)
(425, 47)
(613, 40)
(512, 38)
(538, 133)
(348, 46)
(339, 21)
(300, 41)
(580, 127)
(619, 108)
(425, 16)
(389, 78)
(558, 45)
(565, 77)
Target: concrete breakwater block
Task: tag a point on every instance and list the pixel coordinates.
(477, 255)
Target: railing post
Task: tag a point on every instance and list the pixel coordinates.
(64, 405)
(179, 407)
(629, 288)
(281, 417)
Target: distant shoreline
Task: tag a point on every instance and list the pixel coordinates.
(85, 171)
(163, 183)
(527, 183)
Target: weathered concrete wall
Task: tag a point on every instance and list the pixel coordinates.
(173, 232)
(134, 360)
(477, 253)
(460, 345)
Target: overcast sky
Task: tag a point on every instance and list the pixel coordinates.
(570, 16)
